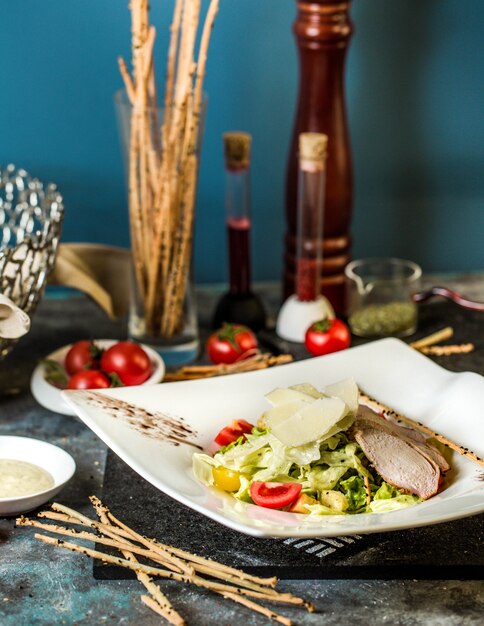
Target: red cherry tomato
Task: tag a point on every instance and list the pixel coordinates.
(230, 433)
(274, 495)
(129, 361)
(229, 343)
(327, 336)
(89, 379)
(245, 427)
(81, 355)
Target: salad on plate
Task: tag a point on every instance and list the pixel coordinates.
(323, 453)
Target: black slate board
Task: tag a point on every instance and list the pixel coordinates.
(453, 550)
(444, 551)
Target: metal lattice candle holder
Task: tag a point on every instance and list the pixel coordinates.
(31, 215)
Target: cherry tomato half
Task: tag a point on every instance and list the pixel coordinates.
(230, 433)
(229, 343)
(82, 355)
(327, 336)
(129, 361)
(245, 427)
(274, 495)
(89, 379)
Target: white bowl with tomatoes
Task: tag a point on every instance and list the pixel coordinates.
(93, 364)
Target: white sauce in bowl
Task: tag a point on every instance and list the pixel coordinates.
(19, 478)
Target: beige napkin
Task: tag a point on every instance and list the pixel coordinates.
(14, 322)
(102, 272)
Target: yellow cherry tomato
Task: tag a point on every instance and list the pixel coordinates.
(226, 479)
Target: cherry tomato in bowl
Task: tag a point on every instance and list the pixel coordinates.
(274, 495)
(230, 343)
(127, 360)
(89, 379)
(326, 336)
(84, 354)
(47, 389)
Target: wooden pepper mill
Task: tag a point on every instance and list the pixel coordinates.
(322, 30)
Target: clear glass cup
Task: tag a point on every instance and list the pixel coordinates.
(182, 345)
(379, 296)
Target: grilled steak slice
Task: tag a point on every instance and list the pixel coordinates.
(398, 462)
(411, 436)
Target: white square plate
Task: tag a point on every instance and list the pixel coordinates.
(143, 425)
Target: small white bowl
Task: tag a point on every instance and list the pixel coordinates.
(60, 465)
(50, 397)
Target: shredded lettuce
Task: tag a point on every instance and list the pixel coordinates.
(235, 443)
(388, 498)
(386, 492)
(331, 469)
(344, 456)
(354, 490)
(320, 509)
(320, 479)
(243, 493)
(202, 468)
(303, 455)
(392, 504)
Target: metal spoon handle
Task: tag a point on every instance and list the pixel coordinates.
(450, 294)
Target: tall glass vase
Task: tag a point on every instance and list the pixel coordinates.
(163, 310)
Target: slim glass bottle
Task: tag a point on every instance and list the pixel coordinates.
(310, 212)
(307, 305)
(240, 305)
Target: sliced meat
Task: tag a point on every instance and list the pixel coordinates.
(410, 435)
(432, 454)
(398, 462)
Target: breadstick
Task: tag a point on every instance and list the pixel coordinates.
(463, 348)
(440, 335)
(422, 428)
(158, 602)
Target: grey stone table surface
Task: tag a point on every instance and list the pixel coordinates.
(43, 586)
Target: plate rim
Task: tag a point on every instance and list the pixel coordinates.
(309, 531)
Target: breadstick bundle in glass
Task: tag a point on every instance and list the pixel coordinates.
(162, 141)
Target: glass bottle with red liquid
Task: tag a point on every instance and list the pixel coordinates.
(240, 305)
(307, 305)
(310, 210)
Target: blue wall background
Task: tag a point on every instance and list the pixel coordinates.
(415, 98)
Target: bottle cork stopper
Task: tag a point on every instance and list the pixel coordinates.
(237, 150)
(313, 148)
